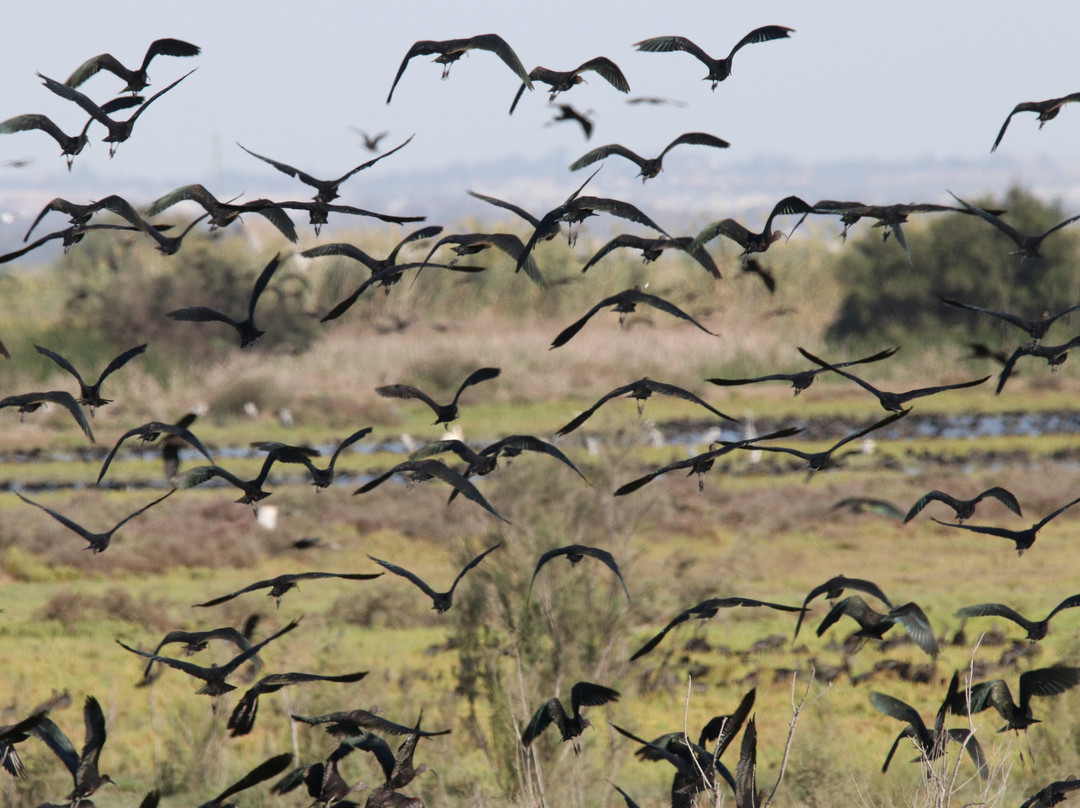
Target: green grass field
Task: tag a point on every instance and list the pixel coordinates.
(758, 529)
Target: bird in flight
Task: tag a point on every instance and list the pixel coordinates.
(1048, 110)
(719, 69)
(450, 50)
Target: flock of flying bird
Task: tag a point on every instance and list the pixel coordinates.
(698, 769)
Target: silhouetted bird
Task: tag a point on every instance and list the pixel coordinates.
(450, 50)
(170, 245)
(97, 542)
(320, 478)
(1055, 356)
(1048, 110)
(650, 167)
(136, 79)
(214, 676)
(582, 694)
(980, 350)
(70, 145)
(562, 80)
(652, 248)
(1023, 538)
(751, 266)
(29, 402)
(119, 131)
(420, 470)
(577, 210)
(873, 625)
(242, 719)
(704, 610)
(1026, 246)
(13, 734)
(444, 413)
(804, 378)
(751, 242)
(965, 508)
(568, 113)
(83, 766)
(892, 402)
(695, 767)
(889, 217)
(371, 142)
(150, 432)
(1052, 794)
(995, 693)
(249, 334)
(487, 459)
(222, 214)
(441, 601)
(472, 243)
(719, 69)
(641, 390)
(575, 553)
(264, 771)
(1036, 329)
(931, 742)
(882, 507)
(319, 212)
(351, 723)
(80, 215)
(252, 489)
(327, 189)
(550, 228)
(90, 394)
(700, 464)
(819, 461)
(195, 641)
(378, 267)
(1036, 629)
(398, 768)
(834, 588)
(624, 303)
(283, 583)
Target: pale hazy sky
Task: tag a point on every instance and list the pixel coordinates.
(857, 79)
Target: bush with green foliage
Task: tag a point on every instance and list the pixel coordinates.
(892, 301)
